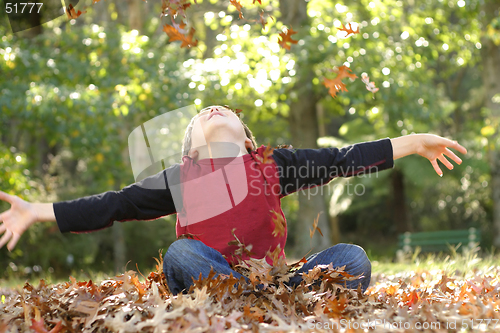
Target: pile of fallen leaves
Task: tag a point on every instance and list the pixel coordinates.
(265, 303)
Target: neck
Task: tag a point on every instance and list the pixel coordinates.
(219, 149)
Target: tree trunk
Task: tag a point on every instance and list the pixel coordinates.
(304, 131)
(399, 202)
(490, 54)
(135, 15)
(335, 229)
(119, 251)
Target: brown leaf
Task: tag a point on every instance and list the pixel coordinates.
(279, 224)
(315, 227)
(174, 35)
(286, 37)
(72, 13)
(39, 327)
(336, 85)
(238, 6)
(263, 19)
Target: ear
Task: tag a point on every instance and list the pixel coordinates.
(193, 153)
(248, 144)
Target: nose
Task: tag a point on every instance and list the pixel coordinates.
(214, 108)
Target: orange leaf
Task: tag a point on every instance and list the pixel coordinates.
(72, 14)
(348, 29)
(279, 224)
(345, 71)
(268, 152)
(336, 85)
(286, 37)
(238, 6)
(175, 35)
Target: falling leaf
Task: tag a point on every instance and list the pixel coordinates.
(263, 19)
(175, 35)
(335, 85)
(344, 71)
(370, 86)
(279, 224)
(238, 6)
(174, 8)
(71, 13)
(348, 29)
(266, 155)
(286, 37)
(315, 227)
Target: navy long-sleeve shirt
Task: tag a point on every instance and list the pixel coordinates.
(290, 170)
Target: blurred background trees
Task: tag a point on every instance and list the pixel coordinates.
(72, 91)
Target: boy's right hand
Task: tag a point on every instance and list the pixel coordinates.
(16, 220)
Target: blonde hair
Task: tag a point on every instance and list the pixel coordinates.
(186, 144)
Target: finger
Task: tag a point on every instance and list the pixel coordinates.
(452, 155)
(2, 228)
(436, 168)
(13, 242)
(5, 238)
(459, 147)
(445, 162)
(6, 197)
(453, 144)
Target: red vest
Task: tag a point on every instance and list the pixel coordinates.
(239, 194)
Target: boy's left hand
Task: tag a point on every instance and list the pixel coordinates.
(435, 148)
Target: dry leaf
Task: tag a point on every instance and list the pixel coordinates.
(370, 86)
(286, 37)
(238, 6)
(72, 13)
(336, 85)
(175, 35)
(315, 227)
(349, 30)
(279, 224)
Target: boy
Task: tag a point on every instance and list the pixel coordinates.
(245, 186)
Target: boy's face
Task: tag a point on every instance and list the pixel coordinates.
(218, 124)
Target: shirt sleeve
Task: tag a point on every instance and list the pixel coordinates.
(148, 199)
(303, 168)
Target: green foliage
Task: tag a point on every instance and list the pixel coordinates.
(69, 99)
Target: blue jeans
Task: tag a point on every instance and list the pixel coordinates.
(188, 258)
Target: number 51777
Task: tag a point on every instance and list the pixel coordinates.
(16, 7)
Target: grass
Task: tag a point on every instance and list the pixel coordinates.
(460, 263)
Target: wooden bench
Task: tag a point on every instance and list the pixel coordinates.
(438, 241)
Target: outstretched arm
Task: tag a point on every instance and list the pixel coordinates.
(430, 146)
(20, 217)
(145, 200)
